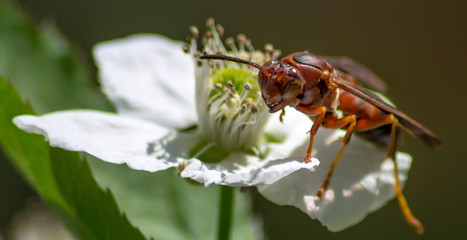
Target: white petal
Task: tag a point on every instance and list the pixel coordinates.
(291, 134)
(362, 182)
(240, 169)
(282, 158)
(116, 139)
(149, 77)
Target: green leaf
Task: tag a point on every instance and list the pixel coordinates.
(92, 207)
(61, 178)
(28, 152)
(43, 66)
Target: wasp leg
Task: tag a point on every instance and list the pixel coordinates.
(281, 117)
(367, 124)
(349, 121)
(400, 196)
(319, 113)
(360, 125)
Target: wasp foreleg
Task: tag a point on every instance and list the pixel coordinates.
(319, 113)
(281, 116)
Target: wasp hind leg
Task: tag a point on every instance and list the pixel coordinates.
(367, 124)
(400, 196)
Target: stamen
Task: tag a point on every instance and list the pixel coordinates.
(218, 47)
(194, 31)
(230, 109)
(258, 56)
(244, 108)
(253, 108)
(276, 54)
(241, 38)
(220, 30)
(269, 48)
(204, 149)
(186, 48)
(249, 45)
(209, 22)
(230, 85)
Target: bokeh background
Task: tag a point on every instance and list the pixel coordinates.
(417, 47)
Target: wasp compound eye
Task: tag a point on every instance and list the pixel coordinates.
(291, 89)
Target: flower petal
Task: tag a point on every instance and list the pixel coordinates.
(240, 169)
(116, 139)
(149, 77)
(291, 136)
(282, 158)
(362, 183)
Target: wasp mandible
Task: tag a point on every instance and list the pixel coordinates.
(320, 87)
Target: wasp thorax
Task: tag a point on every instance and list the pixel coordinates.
(229, 105)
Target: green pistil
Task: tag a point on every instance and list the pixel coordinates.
(235, 78)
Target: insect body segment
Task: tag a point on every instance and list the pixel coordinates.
(318, 89)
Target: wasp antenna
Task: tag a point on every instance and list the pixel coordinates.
(237, 60)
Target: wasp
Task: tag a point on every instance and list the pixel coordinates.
(321, 87)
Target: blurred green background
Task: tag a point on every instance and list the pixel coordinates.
(417, 47)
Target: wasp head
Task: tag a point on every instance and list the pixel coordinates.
(280, 84)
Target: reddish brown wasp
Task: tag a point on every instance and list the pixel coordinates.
(320, 87)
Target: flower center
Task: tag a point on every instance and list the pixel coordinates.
(233, 114)
(230, 110)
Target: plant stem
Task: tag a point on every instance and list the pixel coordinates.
(225, 213)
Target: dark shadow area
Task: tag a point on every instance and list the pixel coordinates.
(14, 191)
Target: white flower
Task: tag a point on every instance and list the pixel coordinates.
(152, 84)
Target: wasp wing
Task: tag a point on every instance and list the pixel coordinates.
(411, 125)
(359, 71)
